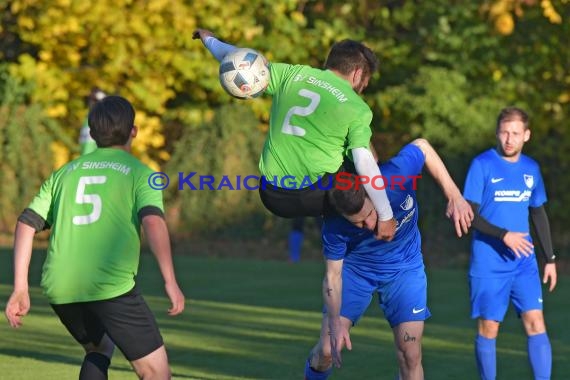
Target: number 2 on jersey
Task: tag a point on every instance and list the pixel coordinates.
(295, 130)
(94, 199)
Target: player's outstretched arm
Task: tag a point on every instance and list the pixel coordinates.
(156, 232)
(19, 302)
(332, 296)
(458, 209)
(218, 48)
(367, 169)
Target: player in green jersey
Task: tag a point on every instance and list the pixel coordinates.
(86, 142)
(95, 206)
(317, 119)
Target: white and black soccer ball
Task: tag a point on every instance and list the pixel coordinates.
(244, 73)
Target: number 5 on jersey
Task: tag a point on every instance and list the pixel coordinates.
(84, 198)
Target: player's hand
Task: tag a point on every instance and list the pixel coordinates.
(201, 34)
(176, 298)
(385, 230)
(550, 274)
(18, 306)
(518, 243)
(461, 213)
(340, 338)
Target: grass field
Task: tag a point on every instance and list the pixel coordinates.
(258, 319)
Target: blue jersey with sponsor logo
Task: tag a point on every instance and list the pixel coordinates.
(359, 248)
(505, 191)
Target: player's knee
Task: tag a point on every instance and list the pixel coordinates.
(488, 329)
(105, 347)
(410, 357)
(534, 324)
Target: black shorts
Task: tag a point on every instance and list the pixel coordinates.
(126, 319)
(296, 203)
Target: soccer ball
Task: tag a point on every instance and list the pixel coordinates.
(244, 73)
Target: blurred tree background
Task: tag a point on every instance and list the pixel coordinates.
(447, 68)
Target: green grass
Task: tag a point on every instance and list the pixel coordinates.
(253, 319)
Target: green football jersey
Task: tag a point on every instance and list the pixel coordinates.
(92, 206)
(316, 118)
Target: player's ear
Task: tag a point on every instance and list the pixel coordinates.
(526, 135)
(134, 131)
(357, 76)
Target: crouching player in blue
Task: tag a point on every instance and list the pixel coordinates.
(357, 265)
(504, 186)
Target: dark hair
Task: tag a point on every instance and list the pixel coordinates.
(348, 55)
(111, 121)
(512, 114)
(347, 196)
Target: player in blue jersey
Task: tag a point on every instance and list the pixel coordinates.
(504, 186)
(312, 128)
(357, 265)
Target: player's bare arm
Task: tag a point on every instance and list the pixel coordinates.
(458, 210)
(332, 294)
(157, 235)
(19, 303)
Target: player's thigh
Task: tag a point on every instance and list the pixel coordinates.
(489, 297)
(81, 323)
(153, 366)
(130, 323)
(357, 292)
(408, 337)
(403, 298)
(526, 292)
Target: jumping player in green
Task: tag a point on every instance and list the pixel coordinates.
(95, 206)
(317, 119)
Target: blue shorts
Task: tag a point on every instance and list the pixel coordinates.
(490, 296)
(402, 297)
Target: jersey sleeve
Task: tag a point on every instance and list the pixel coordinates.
(278, 73)
(359, 132)
(335, 243)
(538, 197)
(146, 195)
(42, 202)
(474, 181)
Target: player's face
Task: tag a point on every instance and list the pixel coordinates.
(366, 218)
(511, 136)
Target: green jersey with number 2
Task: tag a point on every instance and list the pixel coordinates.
(92, 206)
(316, 118)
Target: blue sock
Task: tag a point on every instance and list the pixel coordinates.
(295, 243)
(540, 356)
(311, 374)
(486, 355)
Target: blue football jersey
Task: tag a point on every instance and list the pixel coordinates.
(358, 246)
(505, 191)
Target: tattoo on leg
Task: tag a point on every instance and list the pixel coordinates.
(329, 291)
(408, 337)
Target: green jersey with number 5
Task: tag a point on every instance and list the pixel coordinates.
(316, 118)
(92, 206)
